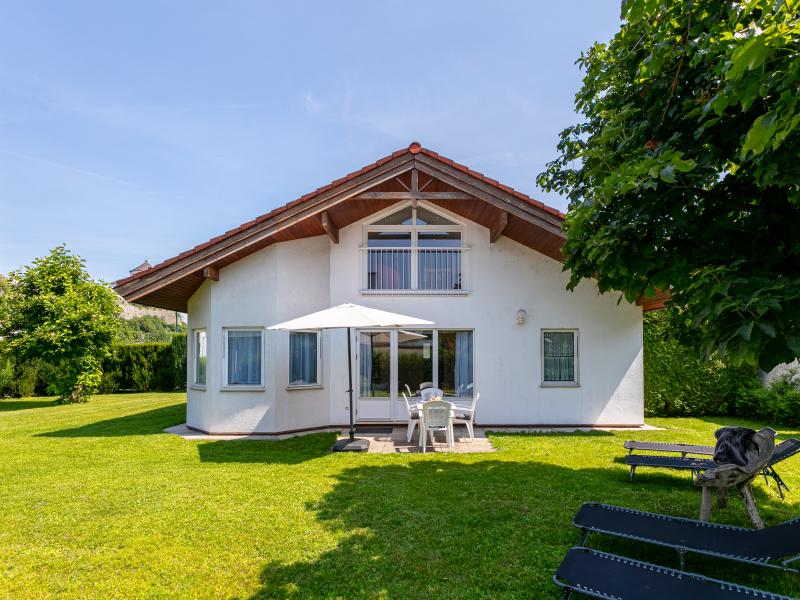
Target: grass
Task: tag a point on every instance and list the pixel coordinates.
(97, 502)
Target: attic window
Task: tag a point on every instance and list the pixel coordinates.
(428, 217)
(401, 217)
(414, 250)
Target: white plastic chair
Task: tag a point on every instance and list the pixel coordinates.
(437, 415)
(431, 392)
(413, 417)
(465, 415)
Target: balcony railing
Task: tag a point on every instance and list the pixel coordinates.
(414, 270)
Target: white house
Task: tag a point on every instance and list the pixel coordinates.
(418, 234)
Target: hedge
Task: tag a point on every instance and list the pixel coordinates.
(130, 368)
(677, 382)
(146, 367)
(778, 403)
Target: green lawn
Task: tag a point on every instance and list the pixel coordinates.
(98, 502)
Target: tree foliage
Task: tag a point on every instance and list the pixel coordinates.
(52, 311)
(146, 329)
(684, 173)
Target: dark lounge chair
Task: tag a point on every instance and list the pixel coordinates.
(783, 451)
(611, 577)
(777, 546)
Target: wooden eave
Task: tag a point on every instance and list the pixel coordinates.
(656, 302)
(414, 172)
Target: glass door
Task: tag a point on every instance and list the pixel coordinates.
(374, 375)
(414, 367)
(394, 362)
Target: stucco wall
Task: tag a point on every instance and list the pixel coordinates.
(293, 278)
(506, 277)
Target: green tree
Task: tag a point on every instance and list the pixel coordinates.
(684, 174)
(52, 311)
(146, 329)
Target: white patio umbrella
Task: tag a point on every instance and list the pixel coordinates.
(348, 316)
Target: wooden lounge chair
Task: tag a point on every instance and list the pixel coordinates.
(684, 449)
(777, 546)
(611, 577)
(782, 451)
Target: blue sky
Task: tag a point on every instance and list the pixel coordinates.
(137, 130)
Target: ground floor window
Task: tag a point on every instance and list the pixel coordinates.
(304, 354)
(200, 356)
(559, 357)
(455, 363)
(244, 357)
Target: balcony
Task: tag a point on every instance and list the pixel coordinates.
(414, 271)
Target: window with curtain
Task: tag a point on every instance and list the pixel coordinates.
(244, 357)
(455, 363)
(303, 358)
(559, 357)
(200, 357)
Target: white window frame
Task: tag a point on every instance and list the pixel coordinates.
(195, 359)
(305, 386)
(238, 387)
(575, 357)
(371, 226)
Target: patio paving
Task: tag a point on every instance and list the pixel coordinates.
(390, 440)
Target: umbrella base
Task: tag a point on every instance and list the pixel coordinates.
(348, 445)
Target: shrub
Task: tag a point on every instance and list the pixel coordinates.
(178, 346)
(7, 379)
(30, 378)
(778, 403)
(145, 367)
(677, 382)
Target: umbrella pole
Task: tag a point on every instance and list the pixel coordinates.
(350, 384)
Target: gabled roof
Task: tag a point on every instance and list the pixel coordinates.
(451, 185)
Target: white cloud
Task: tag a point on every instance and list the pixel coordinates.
(312, 106)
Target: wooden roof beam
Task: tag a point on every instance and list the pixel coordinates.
(413, 196)
(330, 227)
(211, 273)
(498, 227)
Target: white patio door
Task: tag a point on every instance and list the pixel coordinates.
(388, 361)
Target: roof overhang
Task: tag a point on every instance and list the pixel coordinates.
(415, 173)
(656, 302)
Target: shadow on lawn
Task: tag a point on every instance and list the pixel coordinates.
(489, 529)
(8, 405)
(143, 423)
(290, 451)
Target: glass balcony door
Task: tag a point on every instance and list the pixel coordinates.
(391, 363)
